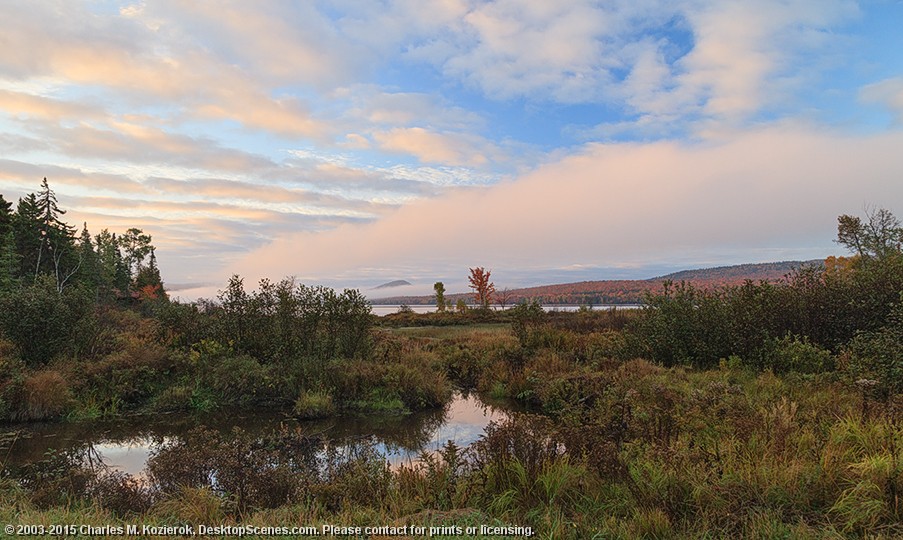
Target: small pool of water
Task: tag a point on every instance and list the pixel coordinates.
(126, 445)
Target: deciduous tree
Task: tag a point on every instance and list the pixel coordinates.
(878, 237)
(482, 287)
(439, 287)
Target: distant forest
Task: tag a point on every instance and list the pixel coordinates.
(624, 291)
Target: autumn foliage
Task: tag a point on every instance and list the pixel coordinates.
(483, 289)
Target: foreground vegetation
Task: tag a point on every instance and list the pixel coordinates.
(758, 411)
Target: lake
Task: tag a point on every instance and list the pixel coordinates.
(127, 444)
(389, 309)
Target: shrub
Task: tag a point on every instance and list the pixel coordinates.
(239, 380)
(129, 376)
(313, 404)
(120, 493)
(46, 395)
(526, 320)
(57, 479)
(796, 354)
(878, 355)
(173, 398)
(40, 320)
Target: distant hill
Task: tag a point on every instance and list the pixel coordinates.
(625, 291)
(391, 284)
(741, 272)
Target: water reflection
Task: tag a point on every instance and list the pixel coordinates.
(127, 444)
(388, 309)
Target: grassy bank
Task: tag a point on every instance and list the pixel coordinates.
(625, 449)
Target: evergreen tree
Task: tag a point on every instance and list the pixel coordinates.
(56, 254)
(27, 229)
(89, 270)
(107, 250)
(6, 216)
(148, 282)
(122, 277)
(9, 263)
(47, 206)
(9, 258)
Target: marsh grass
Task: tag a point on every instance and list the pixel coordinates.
(624, 447)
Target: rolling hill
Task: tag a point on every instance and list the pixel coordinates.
(623, 291)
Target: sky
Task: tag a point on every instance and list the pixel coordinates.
(352, 143)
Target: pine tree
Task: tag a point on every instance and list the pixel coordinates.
(122, 278)
(27, 228)
(6, 216)
(48, 208)
(148, 282)
(89, 271)
(9, 263)
(107, 250)
(9, 258)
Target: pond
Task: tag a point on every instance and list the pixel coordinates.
(388, 309)
(127, 444)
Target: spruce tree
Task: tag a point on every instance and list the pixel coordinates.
(89, 271)
(27, 228)
(9, 263)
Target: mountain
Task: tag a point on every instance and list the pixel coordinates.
(741, 272)
(391, 284)
(623, 291)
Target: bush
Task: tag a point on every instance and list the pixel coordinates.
(878, 355)
(313, 404)
(46, 395)
(40, 320)
(174, 398)
(526, 320)
(796, 354)
(128, 376)
(239, 380)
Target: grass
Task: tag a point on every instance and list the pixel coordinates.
(452, 332)
(625, 448)
(314, 404)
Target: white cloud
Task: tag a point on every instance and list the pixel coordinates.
(888, 93)
(775, 190)
(443, 148)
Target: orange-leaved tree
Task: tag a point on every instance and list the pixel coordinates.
(483, 289)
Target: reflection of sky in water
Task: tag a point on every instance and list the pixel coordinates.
(128, 456)
(466, 419)
(400, 439)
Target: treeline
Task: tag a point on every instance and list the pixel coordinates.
(594, 293)
(276, 324)
(848, 311)
(36, 244)
(51, 278)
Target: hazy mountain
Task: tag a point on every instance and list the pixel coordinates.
(391, 284)
(623, 291)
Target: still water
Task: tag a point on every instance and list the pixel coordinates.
(126, 445)
(389, 309)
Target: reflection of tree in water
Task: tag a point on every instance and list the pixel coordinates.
(409, 432)
(208, 450)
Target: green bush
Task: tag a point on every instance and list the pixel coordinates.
(313, 404)
(526, 321)
(239, 380)
(796, 354)
(878, 355)
(40, 320)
